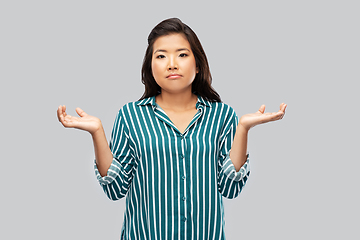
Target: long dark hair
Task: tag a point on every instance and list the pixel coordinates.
(202, 82)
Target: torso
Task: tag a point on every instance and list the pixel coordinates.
(161, 166)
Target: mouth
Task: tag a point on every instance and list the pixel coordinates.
(173, 76)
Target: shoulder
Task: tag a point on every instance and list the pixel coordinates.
(219, 113)
(131, 108)
(222, 109)
(220, 104)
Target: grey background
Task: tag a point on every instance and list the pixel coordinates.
(304, 181)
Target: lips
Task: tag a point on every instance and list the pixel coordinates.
(173, 76)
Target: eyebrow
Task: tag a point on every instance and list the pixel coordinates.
(178, 50)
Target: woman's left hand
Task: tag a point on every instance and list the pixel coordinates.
(248, 121)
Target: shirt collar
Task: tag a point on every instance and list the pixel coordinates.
(151, 101)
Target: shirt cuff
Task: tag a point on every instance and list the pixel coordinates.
(230, 171)
(111, 174)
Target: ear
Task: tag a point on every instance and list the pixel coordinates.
(197, 70)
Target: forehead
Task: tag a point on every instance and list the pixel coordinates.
(171, 42)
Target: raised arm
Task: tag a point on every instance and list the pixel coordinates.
(247, 121)
(94, 126)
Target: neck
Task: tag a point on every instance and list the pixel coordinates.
(176, 101)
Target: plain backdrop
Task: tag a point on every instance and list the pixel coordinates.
(304, 182)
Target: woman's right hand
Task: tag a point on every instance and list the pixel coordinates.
(84, 122)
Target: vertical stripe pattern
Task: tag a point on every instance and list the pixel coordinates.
(173, 182)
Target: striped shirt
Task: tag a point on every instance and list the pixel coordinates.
(173, 181)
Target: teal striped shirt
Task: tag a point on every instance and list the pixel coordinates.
(173, 181)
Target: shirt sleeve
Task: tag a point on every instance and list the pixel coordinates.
(230, 181)
(119, 176)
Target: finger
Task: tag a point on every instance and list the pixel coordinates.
(70, 121)
(283, 107)
(63, 111)
(59, 111)
(66, 120)
(280, 115)
(262, 109)
(80, 112)
(282, 110)
(268, 117)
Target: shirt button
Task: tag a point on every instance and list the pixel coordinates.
(183, 198)
(183, 177)
(184, 219)
(181, 156)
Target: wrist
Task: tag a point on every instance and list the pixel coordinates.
(242, 129)
(99, 131)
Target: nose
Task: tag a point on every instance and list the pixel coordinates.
(172, 64)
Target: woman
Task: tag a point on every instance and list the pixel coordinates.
(169, 152)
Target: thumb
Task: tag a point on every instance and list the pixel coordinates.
(80, 112)
(262, 109)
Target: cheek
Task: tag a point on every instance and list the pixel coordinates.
(155, 67)
(193, 65)
(194, 69)
(156, 71)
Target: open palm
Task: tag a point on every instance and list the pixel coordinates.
(252, 119)
(84, 122)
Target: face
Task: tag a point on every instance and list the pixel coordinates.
(173, 63)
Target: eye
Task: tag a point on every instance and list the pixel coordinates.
(183, 55)
(160, 56)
